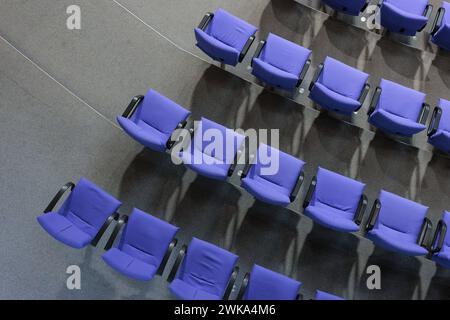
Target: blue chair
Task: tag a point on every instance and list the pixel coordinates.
(151, 120)
(440, 245)
(277, 182)
(207, 272)
(281, 63)
(335, 201)
(339, 87)
(439, 127)
(398, 224)
(213, 150)
(405, 16)
(321, 295)
(144, 248)
(398, 110)
(440, 32)
(353, 7)
(264, 284)
(83, 217)
(224, 37)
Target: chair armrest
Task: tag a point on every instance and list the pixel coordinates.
(302, 74)
(434, 122)
(226, 295)
(59, 194)
(438, 21)
(299, 296)
(170, 143)
(364, 93)
(309, 194)
(426, 13)
(236, 157)
(248, 164)
(298, 185)
(177, 263)
(316, 76)
(98, 236)
(169, 251)
(375, 99)
(205, 21)
(245, 48)
(373, 215)
(362, 205)
(261, 45)
(122, 221)
(244, 286)
(426, 227)
(439, 236)
(129, 111)
(424, 114)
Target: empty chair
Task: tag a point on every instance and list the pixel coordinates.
(224, 37)
(339, 87)
(398, 224)
(335, 201)
(83, 217)
(151, 120)
(440, 32)
(440, 247)
(265, 284)
(144, 247)
(439, 127)
(353, 7)
(405, 16)
(281, 63)
(213, 150)
(321, 295)
(398, 110)
(207, 272)
(275, 177)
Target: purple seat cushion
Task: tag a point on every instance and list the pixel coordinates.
(444, 123)
(442, 36)
(441, 139)
(403, 16)
(443, 256)
(392, 123)
(331, 100)
(185, 291)
(129, 265)
(216, 49)
(321, 295)
(274, 76)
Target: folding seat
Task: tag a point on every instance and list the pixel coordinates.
(275, 177)
(440, 33)
(353, 7)
(335, 201)
(398, 224)
(439, 128)
(264, 284)
(213, 150)
(83, 217)
(398, 110)
(405, 16)
(207, 272)
(281, 63)
(224, 37)
(440, 246)
(151, 120)
(144, 248)
(339, 87)
(321, 295)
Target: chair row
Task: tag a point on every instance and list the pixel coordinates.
(201, 271)
(332, 200)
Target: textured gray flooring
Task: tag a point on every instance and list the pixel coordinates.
(57, 124)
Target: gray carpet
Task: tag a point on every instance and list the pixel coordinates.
(61, 91)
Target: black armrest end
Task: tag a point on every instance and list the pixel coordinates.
(373, 215)
(59, 194)
(243, 286)
(246, 47)
(434, 122)
(177, 263)
(163, 264)
(439, 237)
(298, 185)
(129, 111)
(423, 237)
(111, 218)
(122, 221)
(364, 93)
(310, 192)
(424, 114)
(303, 73)
(375, 99)
(205, 21)
(261, 45)
(226, 295)
(316, 76)
(362, 205)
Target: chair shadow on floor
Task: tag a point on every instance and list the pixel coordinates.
(439, 286)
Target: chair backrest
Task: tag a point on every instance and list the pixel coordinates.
(415, 7)
(338, 191)
(285, 55)
(401, 214)
(446, 6)
(217, 141)
(265, 284)
(160, 112)
(321, 295)
(88, 206)
(401, 101)
(146, 237)
(342, 78)
(230, 29)
(283, 169)
(207, 267)
(444, 123)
